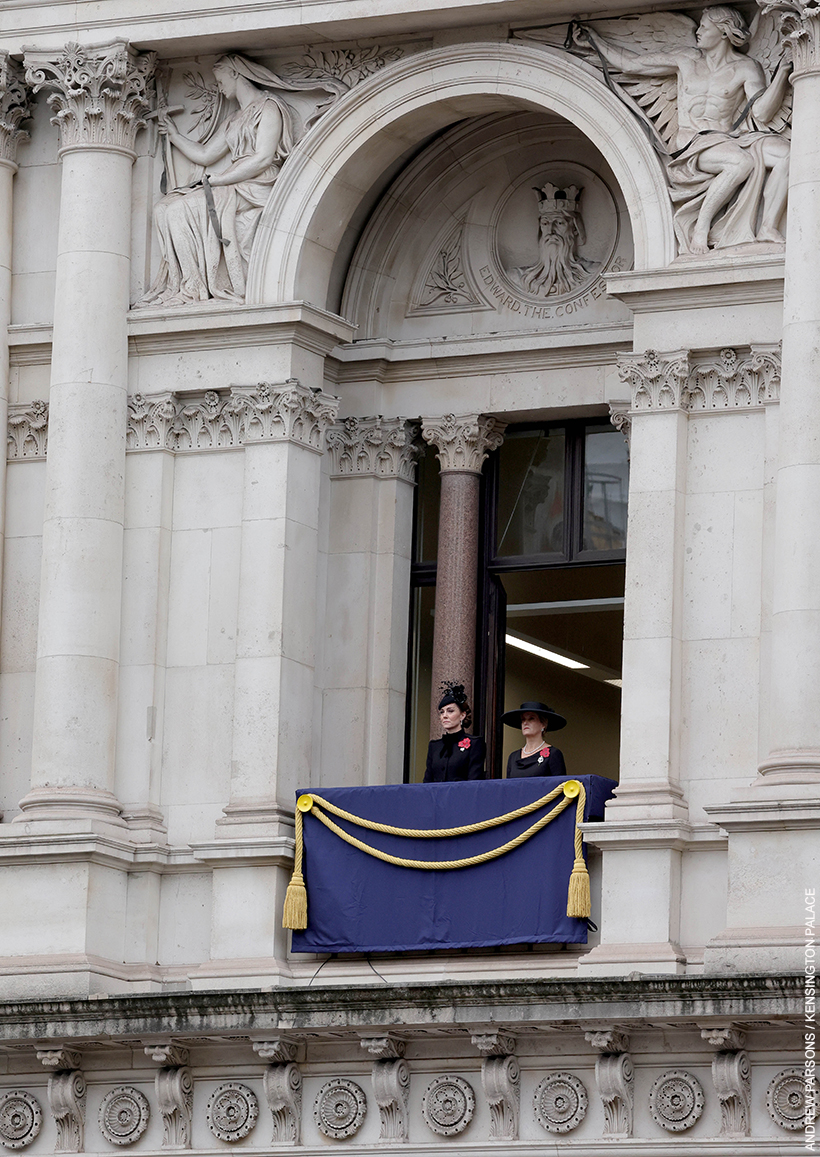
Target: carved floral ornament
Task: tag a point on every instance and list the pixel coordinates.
(15, 107)
(683, 381)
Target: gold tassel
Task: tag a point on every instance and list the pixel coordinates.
(294, 915)
(578, 899)
(295, 912)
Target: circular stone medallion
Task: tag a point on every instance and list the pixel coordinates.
(786, 1098)
(448, 1105)
(124, 1114)
(339, 1109)
(676, 1100)
(560, 1103)
(232, 1111)
(20, 1119)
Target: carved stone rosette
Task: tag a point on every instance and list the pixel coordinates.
(20, 1119)
(15, 107)
(101, 94)
(232, 1111)
(66, 1096)
(676, 1100)
(615, 1077)
(283, 1092)
(175, 1098)
(124, 1115)
(501, 1078)
(391, 1087)
(731, 1074)
(340, 1109)
(560, 1103)
(374, 447)
(786, 1099)
(463, 441)
(448, 1105)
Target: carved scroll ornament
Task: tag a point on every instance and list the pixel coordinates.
(283, 1093)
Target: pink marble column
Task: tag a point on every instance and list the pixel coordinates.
(463, 443)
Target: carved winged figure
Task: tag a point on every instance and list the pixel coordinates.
(717, 99)
(206, 229)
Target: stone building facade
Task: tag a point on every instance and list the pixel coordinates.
(329, 336)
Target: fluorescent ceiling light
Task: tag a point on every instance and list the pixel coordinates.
(543, 653)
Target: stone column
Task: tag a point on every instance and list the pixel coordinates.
(372, 470)
(794, 736)
(14, 108)
(99, 96)
(463, 443)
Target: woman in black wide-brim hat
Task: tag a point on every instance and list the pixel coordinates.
(536, 757)
(457, 755)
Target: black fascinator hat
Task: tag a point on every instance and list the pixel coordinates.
(453, 693)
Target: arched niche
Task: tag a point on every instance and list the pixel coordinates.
(336, 166)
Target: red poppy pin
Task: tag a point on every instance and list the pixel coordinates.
(464, 743)
(543, 754)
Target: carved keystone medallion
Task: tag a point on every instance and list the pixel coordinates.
(232, 1111)
(786, 1098)
(20, 1119)
(124, 1115)
(448, 1105)
(560, 1103)
(340, 1109)
(676, 1100)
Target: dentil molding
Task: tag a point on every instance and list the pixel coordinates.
(15, 107)
(374, 447)
(683, 380)
(100, 94)
(463, 441)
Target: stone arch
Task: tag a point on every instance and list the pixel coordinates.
(337, 163)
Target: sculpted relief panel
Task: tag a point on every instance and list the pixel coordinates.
(715, 101)
(507, 222)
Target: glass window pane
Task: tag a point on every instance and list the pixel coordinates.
(428, 495)
(606, 486)
(421, 644)
(530, 517)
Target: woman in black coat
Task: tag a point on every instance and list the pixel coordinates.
(536, 757)
(457, 755)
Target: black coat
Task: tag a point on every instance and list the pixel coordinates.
(447, 762)
(518, 768)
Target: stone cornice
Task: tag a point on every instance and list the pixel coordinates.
(682, 380)
(799, 22)
(374, 447)
(586, 1003)
(14, 107)
(463, 441)
(100, 93)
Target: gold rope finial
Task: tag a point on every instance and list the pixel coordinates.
(579, 903)
(294, 915)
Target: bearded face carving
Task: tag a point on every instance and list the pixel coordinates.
(559, 269)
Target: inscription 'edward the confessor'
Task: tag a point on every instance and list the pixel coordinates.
(508, 300)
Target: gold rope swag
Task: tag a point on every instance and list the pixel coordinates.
(578, 898)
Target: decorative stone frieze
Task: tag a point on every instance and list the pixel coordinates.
(278, 1050)
(20, 1119)
(799, 22)
(676, 1100)
(101, 94)
(391, 1088)
(340, 1109)
(374, 447)
(151, 421)
(15, 107)
(283, 1093)
(66, 1098)
(347, 66)
(463, 441)
(28, 430)
(560, 1103)
(501, 1078)
(232, 1111)
(684, 381)
(175, 1099)
(124, 1115)
(448, 1105)
(731, 1074)
(786, 1098)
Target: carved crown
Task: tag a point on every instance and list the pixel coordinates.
(551, 198)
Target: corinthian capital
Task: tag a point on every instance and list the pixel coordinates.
(799, 22)
(658, 381)
(100, 93)
(373, 447)
(14, 107)
(463, 441)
